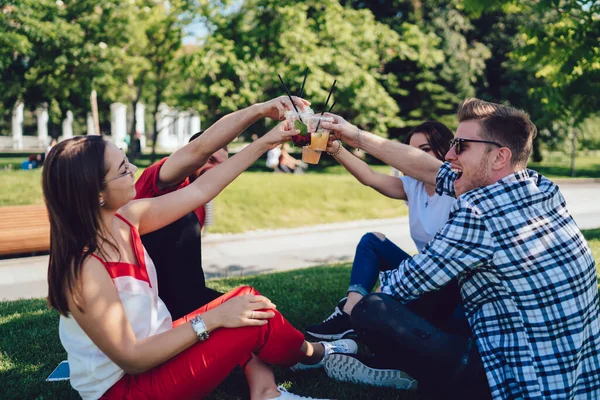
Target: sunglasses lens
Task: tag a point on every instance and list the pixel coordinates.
(458, 147)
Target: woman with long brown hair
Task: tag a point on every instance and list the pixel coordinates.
(119, 336)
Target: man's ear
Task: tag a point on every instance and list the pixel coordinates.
(503, 158)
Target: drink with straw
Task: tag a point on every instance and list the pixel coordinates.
(318, 135)
(303, 138)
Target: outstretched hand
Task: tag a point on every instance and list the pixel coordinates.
(281, 133)
(342, 129)
(276, 108)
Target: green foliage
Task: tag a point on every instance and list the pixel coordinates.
(439, 61)
(238, 63)
(56, 52)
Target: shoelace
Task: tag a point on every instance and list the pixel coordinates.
(282, 390)
(335, 347)
(335, 314)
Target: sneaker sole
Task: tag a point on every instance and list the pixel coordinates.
(334, 336)
(349, 369)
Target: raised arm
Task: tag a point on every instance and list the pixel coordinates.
(411, 161)
(183, 162)
(151, 214)
(385, 184)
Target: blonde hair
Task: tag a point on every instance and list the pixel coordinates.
(509, 126)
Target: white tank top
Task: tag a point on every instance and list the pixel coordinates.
(92, 372)
(426, 214)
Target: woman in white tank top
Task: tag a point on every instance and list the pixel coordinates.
(428, 212)
(119, 336)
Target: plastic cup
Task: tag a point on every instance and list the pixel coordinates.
(310, 156)
(320, 136)
(292, 116)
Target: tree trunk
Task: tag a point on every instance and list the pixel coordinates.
(573, 149)
(155, 124)
(537, 150)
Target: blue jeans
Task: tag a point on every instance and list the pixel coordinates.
(441, 307)
(372, 256)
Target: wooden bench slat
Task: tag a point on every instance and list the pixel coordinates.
(24, 229)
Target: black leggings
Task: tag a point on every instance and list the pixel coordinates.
(442, 357)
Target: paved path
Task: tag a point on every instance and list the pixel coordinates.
(277, 250)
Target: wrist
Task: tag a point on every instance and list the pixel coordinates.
(256, 112)
(211, 320)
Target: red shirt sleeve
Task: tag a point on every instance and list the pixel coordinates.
(146, 187)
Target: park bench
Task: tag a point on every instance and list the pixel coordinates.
(24, 229)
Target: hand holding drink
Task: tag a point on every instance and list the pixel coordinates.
(319, 135)
(342, 129)
(281, 133)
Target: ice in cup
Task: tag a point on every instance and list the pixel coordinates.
(310, 156)
(302, 139)
(318, 136)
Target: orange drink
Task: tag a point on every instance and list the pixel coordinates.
(310, 156)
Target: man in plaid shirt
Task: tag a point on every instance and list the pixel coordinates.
(527, 276)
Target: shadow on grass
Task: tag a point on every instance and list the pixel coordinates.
(29, 352)
(30, 348)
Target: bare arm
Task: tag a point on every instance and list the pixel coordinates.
(183, 162)
(105, 322)
(386, 185)
(154, 213)
(411, 161)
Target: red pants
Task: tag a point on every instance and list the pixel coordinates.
(195, 372)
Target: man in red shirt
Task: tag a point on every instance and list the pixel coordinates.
(176, 248)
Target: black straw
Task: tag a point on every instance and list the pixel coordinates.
(303, 82)
(290, 96)
(327, 101)
(331, 108)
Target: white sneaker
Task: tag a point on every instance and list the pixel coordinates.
(343, 346)
(285, 395)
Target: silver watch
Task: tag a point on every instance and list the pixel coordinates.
(199, 327)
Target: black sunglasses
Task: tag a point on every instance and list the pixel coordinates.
(457, 143)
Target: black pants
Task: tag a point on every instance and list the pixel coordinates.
(425, 341)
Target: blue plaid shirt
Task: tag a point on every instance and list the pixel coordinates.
(528, 284)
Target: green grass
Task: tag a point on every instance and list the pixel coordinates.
(264, 200)
(558, 165)
(30, 348)
(258, 200)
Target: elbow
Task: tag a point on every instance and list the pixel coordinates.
(132, 368)
(131, 364)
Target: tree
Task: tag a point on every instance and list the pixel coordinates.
(445, 62)
(238, 63)
(55, 52)
(560, 43)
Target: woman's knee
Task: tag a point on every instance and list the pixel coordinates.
(244, 290)
(372, 238)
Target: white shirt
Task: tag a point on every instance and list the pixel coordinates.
(273, 157)
(92, 372)
(426, 214)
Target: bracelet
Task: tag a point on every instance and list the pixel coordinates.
(358, 138)
(335, 153)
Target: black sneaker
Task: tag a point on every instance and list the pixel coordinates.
(336, 326)
(366, 370)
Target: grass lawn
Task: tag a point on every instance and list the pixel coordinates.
(264, 200)
(259, 200)
(558, 165)
(30, 348)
